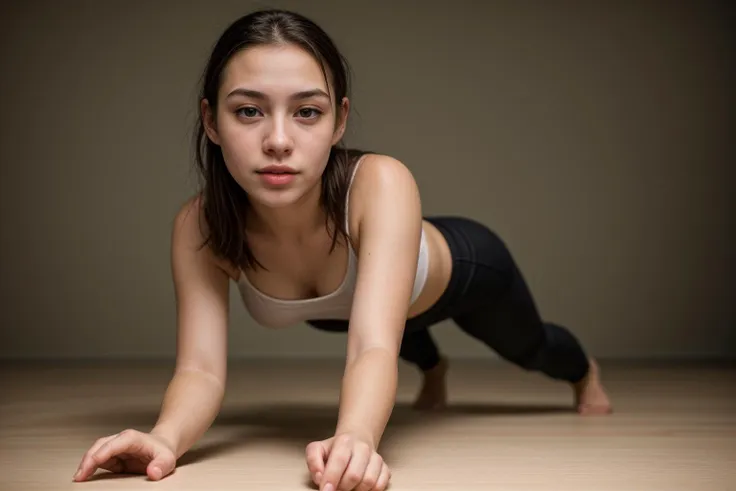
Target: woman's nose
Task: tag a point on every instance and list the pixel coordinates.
(278, 142)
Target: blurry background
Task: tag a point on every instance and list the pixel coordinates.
(596, 137)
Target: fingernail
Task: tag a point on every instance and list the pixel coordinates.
(318, 476)
(328, 487)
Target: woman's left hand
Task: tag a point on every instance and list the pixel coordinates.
(347, 462)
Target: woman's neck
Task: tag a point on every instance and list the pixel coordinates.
(294, 223)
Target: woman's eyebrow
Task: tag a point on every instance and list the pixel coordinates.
(304, 94)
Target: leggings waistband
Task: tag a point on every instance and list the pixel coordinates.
(463, 255)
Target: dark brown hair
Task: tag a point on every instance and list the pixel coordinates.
(224, 201)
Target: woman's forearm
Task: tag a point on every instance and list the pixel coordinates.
(191, 403)
(368, 394)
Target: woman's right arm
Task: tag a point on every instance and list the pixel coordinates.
(194, 395)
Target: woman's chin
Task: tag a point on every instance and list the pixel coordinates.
(275, 198)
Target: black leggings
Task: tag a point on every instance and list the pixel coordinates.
(489, 300)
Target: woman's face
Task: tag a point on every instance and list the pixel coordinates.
(275, 122)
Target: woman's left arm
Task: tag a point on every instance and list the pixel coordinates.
(386, 202)
(389, 214)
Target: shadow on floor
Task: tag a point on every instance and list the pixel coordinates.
(296, 425)
(300, 423)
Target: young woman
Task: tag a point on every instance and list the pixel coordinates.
(312, 232)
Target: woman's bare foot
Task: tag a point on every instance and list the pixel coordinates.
(590, 397)
(433, 395)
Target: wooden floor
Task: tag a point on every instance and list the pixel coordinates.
(674, 428)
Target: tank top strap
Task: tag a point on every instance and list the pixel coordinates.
(347, 195)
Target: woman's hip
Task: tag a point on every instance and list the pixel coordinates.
(482, 268)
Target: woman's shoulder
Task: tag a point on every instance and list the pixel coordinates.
(381, 182)
(189, 223)
(376, 172)
(190, 233)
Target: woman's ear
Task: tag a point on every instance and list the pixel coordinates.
(341, 120)
(208, 120)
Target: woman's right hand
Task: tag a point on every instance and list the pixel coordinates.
(130, 451)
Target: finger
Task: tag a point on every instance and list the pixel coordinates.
(316, 454)
(372, 473)
(97, 444)
(337, 462)
(162, 465)
(353, 475)
(115, 464)
(85, 458)
(128, 441)
(383, 479)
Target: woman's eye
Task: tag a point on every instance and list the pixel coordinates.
(248, 112)
(309, 111)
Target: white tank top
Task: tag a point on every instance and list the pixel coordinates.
(278, 313)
